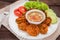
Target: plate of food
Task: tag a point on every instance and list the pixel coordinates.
(33, 20)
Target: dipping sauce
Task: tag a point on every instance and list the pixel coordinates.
(35, 16)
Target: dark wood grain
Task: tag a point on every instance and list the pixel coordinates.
(5, 34)
(56, 10)
(3, 4)
(11, 1)
(51, 2)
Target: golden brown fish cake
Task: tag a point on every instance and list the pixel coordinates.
(48, 21)
(43, 28)
(22, 26)
(20, 19)
(33, 30)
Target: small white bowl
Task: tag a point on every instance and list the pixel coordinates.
(35, 10)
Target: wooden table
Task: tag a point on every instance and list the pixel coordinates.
(5, 34)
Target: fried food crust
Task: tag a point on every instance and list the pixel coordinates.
(33, 30)
(20, 20)
(22, 26)
(43, 28)
(48, 21)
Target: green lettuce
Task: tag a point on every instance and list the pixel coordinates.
(36, 5)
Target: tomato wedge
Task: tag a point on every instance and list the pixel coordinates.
(22, 9)
(17, 13)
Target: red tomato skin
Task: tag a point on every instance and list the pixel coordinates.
(17, 13)
(22, 9)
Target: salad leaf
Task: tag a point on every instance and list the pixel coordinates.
(44, 6)
(36, 5)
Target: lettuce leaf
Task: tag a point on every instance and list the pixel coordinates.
(36, 5)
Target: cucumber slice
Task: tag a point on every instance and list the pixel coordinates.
(52, 15)
(54, 19)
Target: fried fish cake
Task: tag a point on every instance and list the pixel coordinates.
(47, 21)
(20, 19)
(43, 28)
(22, 26)
(33, 30)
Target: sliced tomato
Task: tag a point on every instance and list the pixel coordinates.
(22, 9)
(17, 13)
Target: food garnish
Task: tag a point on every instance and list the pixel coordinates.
(17, 13)
(22, 9)
(50, 13)
(36, 5)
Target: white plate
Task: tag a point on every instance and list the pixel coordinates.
(14, 27)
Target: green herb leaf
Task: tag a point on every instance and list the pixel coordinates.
(36, 5)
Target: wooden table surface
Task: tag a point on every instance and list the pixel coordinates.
(5, 34)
